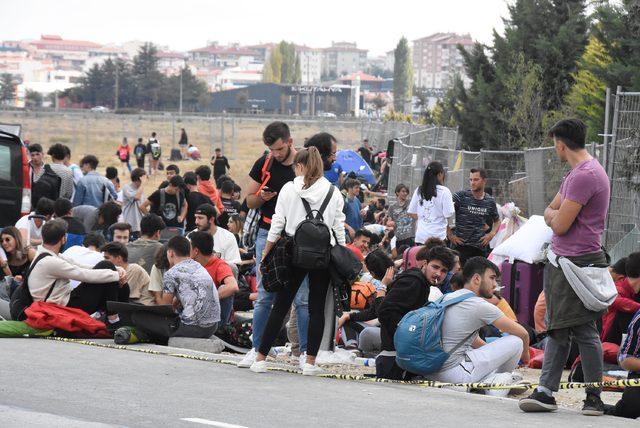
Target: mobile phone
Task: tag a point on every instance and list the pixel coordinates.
(268, 189)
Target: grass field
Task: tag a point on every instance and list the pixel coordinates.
(100, 135)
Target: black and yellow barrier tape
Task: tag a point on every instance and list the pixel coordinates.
(423, 383)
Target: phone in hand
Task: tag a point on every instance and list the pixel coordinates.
(268, 189)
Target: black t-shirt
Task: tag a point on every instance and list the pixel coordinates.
(365, 154)
(220, 166)
(231, 208)
(280, 175)
(195, 199)
(473, 215)
(171, 209)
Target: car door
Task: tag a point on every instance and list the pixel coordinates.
(11, 177)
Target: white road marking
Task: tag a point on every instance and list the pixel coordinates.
(212, 423)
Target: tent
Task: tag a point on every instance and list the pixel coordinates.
(352, 162)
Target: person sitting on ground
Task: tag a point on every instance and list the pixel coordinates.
(170, 204)
(188, 287)
(629, 358)
(160, 266)
(98, 284)
(617, 318)
(17, 255)
(224, 243)
(30, 225)
(143, 250)
(121, 232)
(93, 189)
(410, 255)
(381, 268)
(63, 209)
(194, 199)
(618, 270)
(421, 256)
(408, 292)
(108, 214)
(194, 153)
(360, 245)
(87, 254)
(471, 359)
(208, 187)
(137, 278)
(220, 271)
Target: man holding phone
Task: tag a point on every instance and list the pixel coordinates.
(269, 173)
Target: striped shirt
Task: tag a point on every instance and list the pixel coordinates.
(631, 345)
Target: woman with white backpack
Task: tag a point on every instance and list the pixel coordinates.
(290, 216)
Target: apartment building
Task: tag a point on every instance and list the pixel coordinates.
(437, 60)
(343, 58)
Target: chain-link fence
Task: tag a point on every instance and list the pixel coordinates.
(623, 167)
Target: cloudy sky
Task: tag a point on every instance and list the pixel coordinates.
(188, 24)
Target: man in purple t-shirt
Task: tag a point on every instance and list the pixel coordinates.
(577, 217)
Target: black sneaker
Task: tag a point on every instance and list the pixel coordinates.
(538, 402)
(593, 406)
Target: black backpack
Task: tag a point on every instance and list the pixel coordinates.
(48, 186)
(312, 239)
(21, 297)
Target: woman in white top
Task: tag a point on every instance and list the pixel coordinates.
(431, 205)
(311, 185)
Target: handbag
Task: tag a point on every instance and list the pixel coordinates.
(275, 267)
(345, 262)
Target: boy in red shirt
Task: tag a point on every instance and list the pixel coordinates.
(616, 321)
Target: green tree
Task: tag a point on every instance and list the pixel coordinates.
(402, 76)
(283, 65)
(148, 80)
(193, 90)
(33, 99)
(7, 88)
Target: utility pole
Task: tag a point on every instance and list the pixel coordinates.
(117, 89)
(180, 106)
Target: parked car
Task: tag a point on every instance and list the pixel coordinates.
(15, 186)
(327, 114)
(100, 109)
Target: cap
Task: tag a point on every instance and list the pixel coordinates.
(207, 210)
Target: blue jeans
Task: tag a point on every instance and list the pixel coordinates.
(265, 300)
(226, 305)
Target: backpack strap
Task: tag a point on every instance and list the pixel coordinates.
(33, 265)
(265, 173)
(320, 211)
(452, 302)
(163, 198)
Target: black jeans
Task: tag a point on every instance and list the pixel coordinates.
(629, 404)
(161, 327)
(94, 297)
(619, 327)
(318, 286)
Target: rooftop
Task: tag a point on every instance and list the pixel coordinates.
(364, 77)
(447, 38)
(47, 41)
(225, 50)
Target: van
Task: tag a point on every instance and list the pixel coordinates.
(15, 186)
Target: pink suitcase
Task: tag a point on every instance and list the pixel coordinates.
(521, 286)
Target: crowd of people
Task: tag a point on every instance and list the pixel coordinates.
(196, 246)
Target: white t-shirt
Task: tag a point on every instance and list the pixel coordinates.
(33, 231)
(224, 242)
(83, 256)
(432, 214)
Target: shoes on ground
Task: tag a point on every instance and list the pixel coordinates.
(248, 359)
(538, 401)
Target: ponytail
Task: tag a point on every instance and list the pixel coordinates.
(312, 161)
(428, 188)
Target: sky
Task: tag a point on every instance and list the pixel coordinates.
(189, 24)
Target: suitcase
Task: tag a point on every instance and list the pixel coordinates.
(521, 286)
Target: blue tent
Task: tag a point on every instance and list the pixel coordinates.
(352, 162)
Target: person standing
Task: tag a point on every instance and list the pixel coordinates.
(132, 196)
(311, 185)
(183, 143)
(155, 152)
(194, 198)
(93, 189)
(431, 205)
(474, 209)
(75, 169)
(124, 155)
(404, 224)
(220, 164)
(267, 177)
(67, 185)
(353, 206)
(577, 217)
(365, 151)
(140, 151)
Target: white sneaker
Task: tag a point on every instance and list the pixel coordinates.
(311, 370)
(259, 366)
(302, 360)
(248, 359)
(499, 378)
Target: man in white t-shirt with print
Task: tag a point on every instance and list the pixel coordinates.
(474, 360)
(224, 242)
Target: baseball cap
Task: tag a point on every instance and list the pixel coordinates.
(207, 210)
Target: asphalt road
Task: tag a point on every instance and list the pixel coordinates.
(47, 383)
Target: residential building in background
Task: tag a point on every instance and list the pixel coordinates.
(218, 56)
(310, 64)
(437, 60)
(170, 63)
(343, 58)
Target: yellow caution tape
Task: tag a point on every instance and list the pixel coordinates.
(423, 383)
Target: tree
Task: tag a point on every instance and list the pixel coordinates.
(402, 76)
(33, 99)
(7, 88)
(147, 78)
(379, 103)
(283, 65)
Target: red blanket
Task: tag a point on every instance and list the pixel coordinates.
(48, 316)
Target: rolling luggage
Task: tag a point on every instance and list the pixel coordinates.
(522, 284)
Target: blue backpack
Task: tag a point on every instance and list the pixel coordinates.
(418, 338)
